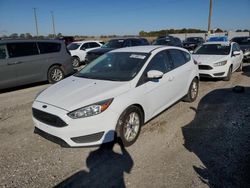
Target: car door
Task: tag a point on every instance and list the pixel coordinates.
(7, 72)
(236, 59)
(180, 73)
(25, 60)
(158, 92)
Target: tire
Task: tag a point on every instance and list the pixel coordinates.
(55, 74)
(75, 62)
(229, 74)
(128, 132)
(240, 67)
(192, 91)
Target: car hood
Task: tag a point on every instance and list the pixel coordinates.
(100, 51)
(208, 59)
(75, 92)
(190, 43)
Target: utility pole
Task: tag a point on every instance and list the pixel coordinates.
(53, 23)
(36, 21)
(209, 17)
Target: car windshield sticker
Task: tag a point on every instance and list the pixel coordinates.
(137, 56)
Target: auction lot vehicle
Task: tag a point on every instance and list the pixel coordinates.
(116, 94)
(244, 43)
(79, 50)
(168, 41)
(28, 61)
(218, 59)
(218, 39)
(115, 44)
(190, 43)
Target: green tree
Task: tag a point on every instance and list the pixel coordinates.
(28, 36)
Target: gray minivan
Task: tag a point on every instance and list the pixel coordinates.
(28, 61)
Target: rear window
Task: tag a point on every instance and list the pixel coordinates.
(242, 40)
(22, 49)
(49, 47)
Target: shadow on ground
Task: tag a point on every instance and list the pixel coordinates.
(106, 168)
(246, 70)
(220, 137)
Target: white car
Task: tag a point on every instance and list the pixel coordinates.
(79, 49)
(116, 94)
(218, 59)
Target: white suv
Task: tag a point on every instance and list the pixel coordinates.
(116, 94)
(79, 50)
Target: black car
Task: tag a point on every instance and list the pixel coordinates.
(168, 41)
(190, 43)
(244, 43)
(114, 44)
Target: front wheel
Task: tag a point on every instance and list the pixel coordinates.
(75, 62)
(192, 91)
(55, 74)
(229, 74)
(129, 125)
(240, 67)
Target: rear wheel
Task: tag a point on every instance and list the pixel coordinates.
(55, 74)
(192, 91)
(129, 125)
(75, 62)
(229, 74)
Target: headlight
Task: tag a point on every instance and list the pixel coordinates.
(90, 110)
(220, 63)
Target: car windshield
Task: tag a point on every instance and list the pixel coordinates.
(192, 39)
(114, 66)
(114, 44)
(213, 49)
(162, 42)
(242, 40)
(73, 46)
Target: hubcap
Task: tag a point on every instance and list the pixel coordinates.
(75, 62)
(194, 90)
(56, 75)
(131, 127)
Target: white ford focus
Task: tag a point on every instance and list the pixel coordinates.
(218, 59)
(116, 94)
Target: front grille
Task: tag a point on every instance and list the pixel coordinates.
(205, 67)
(47, 118)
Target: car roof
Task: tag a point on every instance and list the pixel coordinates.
(219, 42)
(29, 40)
(144, 49)
(85, 41)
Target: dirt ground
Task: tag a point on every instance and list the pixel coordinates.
(200, 144)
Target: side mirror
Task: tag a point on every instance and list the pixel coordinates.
(154, 74)
(191, 51)
(236, 53)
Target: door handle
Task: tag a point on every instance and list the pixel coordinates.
(14, 63)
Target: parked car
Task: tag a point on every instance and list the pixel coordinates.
(66, 39)
(168, 41)
(28, 61)
(217, 39)
(114, 44)
(218, 59)
(79, 50)
(190, 43)
(116, 94)
(244, 43)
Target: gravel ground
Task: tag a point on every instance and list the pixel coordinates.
(200, 144)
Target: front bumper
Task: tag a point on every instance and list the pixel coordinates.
(93, 130)
(214, 72)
